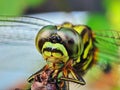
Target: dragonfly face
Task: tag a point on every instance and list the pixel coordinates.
(58, 45)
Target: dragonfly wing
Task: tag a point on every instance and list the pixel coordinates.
(18, 55)
(109, 36)
(20, 29)
(105, 75)
(24, 20)
(108, 44)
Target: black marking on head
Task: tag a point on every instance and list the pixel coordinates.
(52, 50)
(55, 38)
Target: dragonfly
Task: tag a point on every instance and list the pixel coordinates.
(69, 50)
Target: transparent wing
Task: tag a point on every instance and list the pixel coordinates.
(20, 28)
(108, 44)
(18, 56)
(110, 36)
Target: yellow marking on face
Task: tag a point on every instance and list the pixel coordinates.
(79, 28)
(87, 49)
(87, 64)
(85, 38)
(47, 53)
(66, 25)
(57, 55)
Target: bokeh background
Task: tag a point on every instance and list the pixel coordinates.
(108, 8)
(101, 15)
(15, 7)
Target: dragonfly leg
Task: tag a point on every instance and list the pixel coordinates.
(77, 78)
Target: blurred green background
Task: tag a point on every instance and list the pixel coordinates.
(16, 7)
(101, 9)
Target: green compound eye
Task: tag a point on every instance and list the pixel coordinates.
(43, 36)
(72, 41)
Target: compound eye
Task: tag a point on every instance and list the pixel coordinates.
(71, 41)
(43, 36)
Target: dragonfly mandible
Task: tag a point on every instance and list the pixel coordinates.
(81, 48)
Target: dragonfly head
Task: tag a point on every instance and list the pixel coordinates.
(58, 45)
